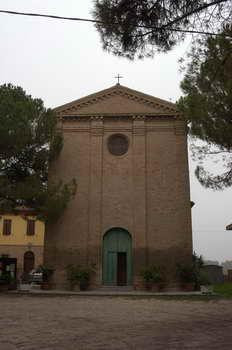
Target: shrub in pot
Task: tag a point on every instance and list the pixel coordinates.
(147, 278)
(84, 277)
(13, 284)
(77, 275)
(186, 276)
(47, 275)
(72, 276)
(189, 274)
(158, 278)
(5, 279)
(153, 277)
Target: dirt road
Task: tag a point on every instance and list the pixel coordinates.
(55, 323)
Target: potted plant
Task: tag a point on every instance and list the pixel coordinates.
(187, 277)
(5, 279)
(46, 277)
(77, 275)
(84, 277)
(71, 274)
(13, 284)
(153, 277)
(158, 278)
(147, 278)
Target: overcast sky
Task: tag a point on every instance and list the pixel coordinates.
(60, 61)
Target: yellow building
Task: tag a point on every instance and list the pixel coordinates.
(22, 237)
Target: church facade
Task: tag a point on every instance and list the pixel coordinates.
(128, 153)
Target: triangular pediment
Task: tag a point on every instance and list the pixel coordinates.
(117, 100)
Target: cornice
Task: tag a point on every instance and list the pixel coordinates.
(116, 90)
(138, 126)
(123, 116)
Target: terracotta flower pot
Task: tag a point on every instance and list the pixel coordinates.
(46, 286)
(84, 285)
(161, 286)
(148, 286)
(155, 287)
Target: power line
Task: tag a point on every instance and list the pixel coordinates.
(221, 229)
(101, 22)
(49, 16)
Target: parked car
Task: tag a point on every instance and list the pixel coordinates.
(36, 276)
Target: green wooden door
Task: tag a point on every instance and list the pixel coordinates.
(116, 241)
(111, 267)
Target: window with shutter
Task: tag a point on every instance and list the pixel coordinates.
(30, 227)
(6, 227)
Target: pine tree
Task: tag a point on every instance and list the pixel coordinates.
(207, 103)
(142, 27)
(29, 141)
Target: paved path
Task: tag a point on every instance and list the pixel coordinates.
(102, 292)
(71, 322)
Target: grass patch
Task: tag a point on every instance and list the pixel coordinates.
(224, 289)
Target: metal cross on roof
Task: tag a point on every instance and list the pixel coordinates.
(118, 77)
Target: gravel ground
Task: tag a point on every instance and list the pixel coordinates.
(70, 322)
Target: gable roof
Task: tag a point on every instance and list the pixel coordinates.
(117, 100)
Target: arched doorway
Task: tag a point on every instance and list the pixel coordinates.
(28, 261)
(117, 257)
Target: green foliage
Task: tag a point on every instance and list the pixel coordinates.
(191, 273)
(224, 289)
(204, 279)
(54, 200)
(140, 28)
(29, 142)
(186, 273)
(153, 274)
(147, 275)
(207, 104)
(5, 279)
(77, 274)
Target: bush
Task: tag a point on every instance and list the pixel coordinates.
(204, 279)
(46, 271)
(5, 279)
(191, 273)
(186, 273)
(153, 274)
(224, 289)
(78, 275)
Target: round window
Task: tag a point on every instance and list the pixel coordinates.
(118, 144)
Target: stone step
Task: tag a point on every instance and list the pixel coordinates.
(106, 288)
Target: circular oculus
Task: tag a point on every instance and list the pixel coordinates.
(118, 144)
